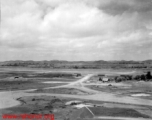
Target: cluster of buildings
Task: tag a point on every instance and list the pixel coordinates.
(103, 78)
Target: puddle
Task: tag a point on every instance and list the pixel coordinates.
(140, 95)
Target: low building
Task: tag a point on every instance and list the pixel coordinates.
(105, 79)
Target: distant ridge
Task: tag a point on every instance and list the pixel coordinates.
(99, 64)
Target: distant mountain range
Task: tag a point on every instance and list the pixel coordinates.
(78, 64)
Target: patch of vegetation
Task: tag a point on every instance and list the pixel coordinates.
(17, 74)
(120, 78)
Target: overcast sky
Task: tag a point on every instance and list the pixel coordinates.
(76, 30)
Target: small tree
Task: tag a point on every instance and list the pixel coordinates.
(148, 75)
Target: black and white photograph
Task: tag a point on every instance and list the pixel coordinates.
(75, 59)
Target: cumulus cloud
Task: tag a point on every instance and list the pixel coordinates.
(76, 29)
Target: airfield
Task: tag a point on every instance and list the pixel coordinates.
(71, 95)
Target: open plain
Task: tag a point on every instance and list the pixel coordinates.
(34, 91)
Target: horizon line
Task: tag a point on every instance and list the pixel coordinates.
(76, 60)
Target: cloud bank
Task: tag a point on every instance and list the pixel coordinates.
(76, 29)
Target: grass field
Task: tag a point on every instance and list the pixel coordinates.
(72, 91)
(21, 80)
(23, 85)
